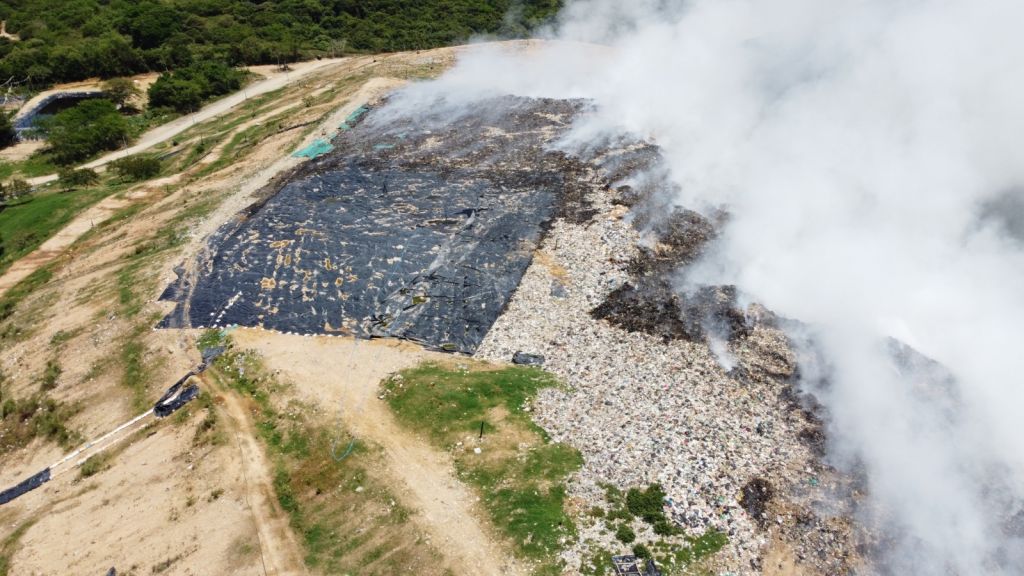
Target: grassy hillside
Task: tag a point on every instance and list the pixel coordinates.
(65, 40)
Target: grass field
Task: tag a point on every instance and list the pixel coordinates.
(518, 472)
(38, 164)
(28, 222)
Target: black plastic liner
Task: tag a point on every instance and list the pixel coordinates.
(415, 228)
(27, 485)
(175, 397)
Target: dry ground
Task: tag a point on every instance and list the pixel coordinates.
(342, 375)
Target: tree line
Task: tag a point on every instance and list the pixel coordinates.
(69, 40)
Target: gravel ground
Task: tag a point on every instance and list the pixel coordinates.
(642, 409)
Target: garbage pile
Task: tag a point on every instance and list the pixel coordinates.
(647, 400)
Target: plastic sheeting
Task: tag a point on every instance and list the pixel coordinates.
(354, 117)
(319, 147)
(27, 485)
(171, 405)
(424, 238)
(633, 566)
(176, 396)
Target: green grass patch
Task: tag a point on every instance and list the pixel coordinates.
(28, 222)
(520, 474)
(38, 164)
(10, 300)
(37, 416)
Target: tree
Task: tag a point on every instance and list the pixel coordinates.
(136, 168)
(186, 88)
(70, 178)
(168, 91)
(8, 136)
(92, 126)
(120, 90)
(17, 188)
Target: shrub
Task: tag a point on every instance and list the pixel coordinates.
(120, 90)
(647, 504)
(94, 465)
(177, 93)
(134, 168)
(71, 179)
(625, 534)
(50, 375)
(17, 188)
(186, 88)
(7, 134)
(92, 126)
(641, 551)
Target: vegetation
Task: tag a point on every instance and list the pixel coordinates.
(672, 550)
(10, 544)
(52, 371)
(78, 39)
(95, 464)
(91, 126)
(347, 518)
(39, 164)
(29, 221)
(8, 136)
(15, 189)
(24, 419)
(135, 168)
(71, 178)
(519, 473)
(10, 299)
(186, 88)
(121, 90)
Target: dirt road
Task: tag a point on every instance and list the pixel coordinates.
(343, 375)
(172, 129)
(280, 552)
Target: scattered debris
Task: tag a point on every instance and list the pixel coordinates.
(527, 359)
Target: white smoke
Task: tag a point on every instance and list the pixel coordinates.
(867, 153)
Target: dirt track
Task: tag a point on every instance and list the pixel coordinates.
(280, 553)
(343, 375)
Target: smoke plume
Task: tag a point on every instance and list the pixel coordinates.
(865, 151)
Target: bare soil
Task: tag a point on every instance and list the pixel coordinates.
(343, 375)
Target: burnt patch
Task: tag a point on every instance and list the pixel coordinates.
(755, 497)
(654, 307)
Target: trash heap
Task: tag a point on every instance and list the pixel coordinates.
(647, 401)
